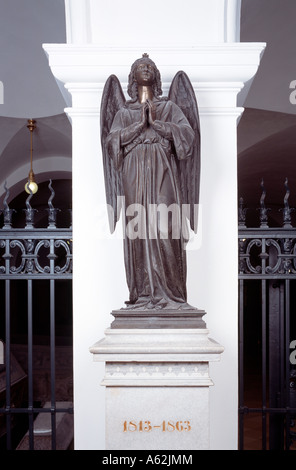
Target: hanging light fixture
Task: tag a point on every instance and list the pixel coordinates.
(31, 186)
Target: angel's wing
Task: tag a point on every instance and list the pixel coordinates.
(112, 100)
(181, 93)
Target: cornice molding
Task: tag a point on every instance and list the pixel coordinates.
(91, 63)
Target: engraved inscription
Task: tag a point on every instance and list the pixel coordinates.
(164, 426)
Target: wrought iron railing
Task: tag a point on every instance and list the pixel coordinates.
(32, 254)
(267, 325)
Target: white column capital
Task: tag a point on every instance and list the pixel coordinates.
(86, 98)
(218, 72)
(203, 63)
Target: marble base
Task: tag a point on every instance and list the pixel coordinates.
(157, 387)
(166, 418)
(155, 319)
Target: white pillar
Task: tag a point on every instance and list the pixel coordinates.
(218, 71)
(213, 268)
(84, 116)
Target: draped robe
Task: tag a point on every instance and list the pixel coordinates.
(155, 262)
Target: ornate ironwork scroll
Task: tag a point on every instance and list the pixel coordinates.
(271, 254)
(264, 251)
(30, 252)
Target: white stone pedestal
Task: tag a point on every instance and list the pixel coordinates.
(157, 387)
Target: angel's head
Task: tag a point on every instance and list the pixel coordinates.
(133, 81)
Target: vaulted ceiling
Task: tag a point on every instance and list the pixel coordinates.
(266, 130)
(31, 91)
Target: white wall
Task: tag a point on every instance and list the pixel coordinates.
(218, 71)
(157, 22)
(154, 23)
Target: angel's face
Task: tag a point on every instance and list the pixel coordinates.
(145, 74)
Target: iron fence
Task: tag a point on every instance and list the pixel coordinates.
(267, 329)
(30, 256)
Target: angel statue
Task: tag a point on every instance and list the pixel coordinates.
(151, 155)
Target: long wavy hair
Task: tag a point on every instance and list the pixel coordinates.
(132, 88)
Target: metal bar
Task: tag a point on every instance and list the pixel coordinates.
(52, 364)
(7, 365)
(276, 441)
(52, 347)
(241, 363)
(268, 235)
(30, 365)
(263, 359)
(282, 350)
(36, 233)
(277, 232)
(40, 276)
(267, 276)
(287, 360)
(246, 410)
(44, 410)
(7, 347)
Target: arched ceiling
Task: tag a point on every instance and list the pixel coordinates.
(267, 128)
(269, 155)
(30, 90)
(273, 22)
(52, 137)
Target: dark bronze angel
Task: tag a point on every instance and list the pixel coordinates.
(151, 154)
